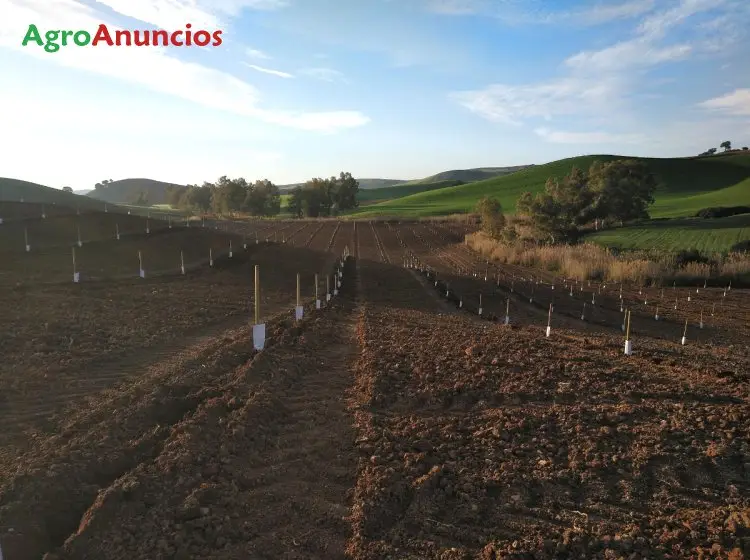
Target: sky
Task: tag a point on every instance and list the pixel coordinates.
(398, 89)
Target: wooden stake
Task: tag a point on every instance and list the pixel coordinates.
(316, 287)
(298, 291)
(627, 326)
(257, 295)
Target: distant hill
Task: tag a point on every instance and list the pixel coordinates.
(402, 189)
(688, 184)
(16, 190)
(83, 192)
(364, 184)
(126, 191)
(470, 175)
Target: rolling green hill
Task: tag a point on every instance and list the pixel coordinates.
(126, 191)
(468, 175)
(687, 185)
(404, 189)
(16, 190)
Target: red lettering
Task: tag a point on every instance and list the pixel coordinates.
(202, 38)
(174, 40)
(119, 35)
(164, 37)
(189, 34)
(217, 38)
(145, 41)
(102, 34)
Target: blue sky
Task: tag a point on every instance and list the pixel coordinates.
(381, 88)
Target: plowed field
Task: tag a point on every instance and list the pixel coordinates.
(138, 421)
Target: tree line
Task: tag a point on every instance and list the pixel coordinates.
(616, 191)
(228, 196)
(726, 144)
(316, 197)
(324, 197)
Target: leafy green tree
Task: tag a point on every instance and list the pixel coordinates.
(621, 189)
(345, 190)
(726, 144)
(67, 189)
(491, 215)
(296, 202)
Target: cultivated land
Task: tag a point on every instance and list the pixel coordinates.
(708, 236)
(137, 420)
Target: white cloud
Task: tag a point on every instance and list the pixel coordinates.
(174, 14)
(639, 52)
(735, 103)
(271, 71)
(604, 13)
(152, 67)
(457, 7)
(514, 104)
(257, 54)
(524, 12)
(598, 137)
(600, 83)
(324, 74)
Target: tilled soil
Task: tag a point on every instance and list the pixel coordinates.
(495, 442)
(389, 425)
(227, 453)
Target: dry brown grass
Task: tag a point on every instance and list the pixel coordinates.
(592, 262)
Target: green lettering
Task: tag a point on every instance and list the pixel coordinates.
(65, 35)
(82, 38)
(51, 37)
(32, 35)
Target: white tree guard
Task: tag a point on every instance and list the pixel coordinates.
(142, 273)
(549, 330)
(259, 336)
(76, 277)
(628, 347)
(299, 311)
(317, 304)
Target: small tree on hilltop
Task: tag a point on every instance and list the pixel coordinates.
(491, 215)
(67, 189)
(727, 145)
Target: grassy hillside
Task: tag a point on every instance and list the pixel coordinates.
(404, 189)
(469, 175)
(126, 191)
(711, 235)
(688, 184)
(15, 190)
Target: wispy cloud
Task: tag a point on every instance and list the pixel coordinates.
(174, 14)
(257, 54)
(324, 74)
(270, 71)
(599, 83)
(734, 103)
(597, 137)
(522, 12)
(152, 68)
(515, 104)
